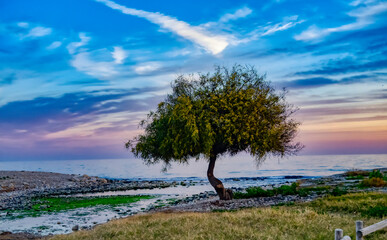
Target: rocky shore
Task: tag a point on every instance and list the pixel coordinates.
(17, 188)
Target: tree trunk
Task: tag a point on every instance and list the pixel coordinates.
(223, 193)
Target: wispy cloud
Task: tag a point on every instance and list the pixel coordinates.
(72, 47)
(23, 24)
(270, 29)
(54, 45)
(119, 54)
(146, 68)
(280, 27)
(364, 17)
(213, 43)
(101, 69)
(35, 32)
(240, 13)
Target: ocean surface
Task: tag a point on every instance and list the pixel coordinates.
(238, 166)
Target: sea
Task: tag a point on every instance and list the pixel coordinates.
(239, 166)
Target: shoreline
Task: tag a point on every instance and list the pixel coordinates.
(62, 185)
(17, 187)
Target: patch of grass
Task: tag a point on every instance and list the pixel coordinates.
(44, 205)
(338, 191)
(365, 204)
(60, 204)
(301, 221)
(252, 192)
(293, 189)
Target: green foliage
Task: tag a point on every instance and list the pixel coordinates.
(338, 191)
(293, 189)
(253, 192)
(229, 111)
(376, 174)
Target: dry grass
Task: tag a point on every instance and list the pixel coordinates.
(285, 222)
(373, 182)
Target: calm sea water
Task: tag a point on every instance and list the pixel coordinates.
(238, 166)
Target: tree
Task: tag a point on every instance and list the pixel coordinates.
(227, 112)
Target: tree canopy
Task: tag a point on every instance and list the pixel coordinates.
(225, 112)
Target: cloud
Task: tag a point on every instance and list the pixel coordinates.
(309, 82)
(346, 66)
(72, 47)
(240, 13)
(57, 113)
(119, 54)
(101, 69)
(37, 31)
(214, 44)
(23, 24)
(364, 17)
(280, 27)
(359, 2)
(323, 81)
(54, 45)
(146, 68)
(270, 29)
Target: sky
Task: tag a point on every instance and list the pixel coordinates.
(77, 76)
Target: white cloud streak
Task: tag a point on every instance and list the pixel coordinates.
(240, 13)
(280, 27)
(364, 17)
(214, 44)
(39, 32)
(146, 68)
(54, 45)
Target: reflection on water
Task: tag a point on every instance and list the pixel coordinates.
(241, 165)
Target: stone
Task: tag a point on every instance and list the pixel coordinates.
(75, 228)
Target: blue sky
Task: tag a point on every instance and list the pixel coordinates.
(76, 77)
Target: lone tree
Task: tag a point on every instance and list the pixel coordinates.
(227, 112)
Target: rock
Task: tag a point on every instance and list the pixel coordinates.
(103, 180)
(75, 228)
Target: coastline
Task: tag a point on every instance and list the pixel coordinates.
(18, 187)
(29, 185)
